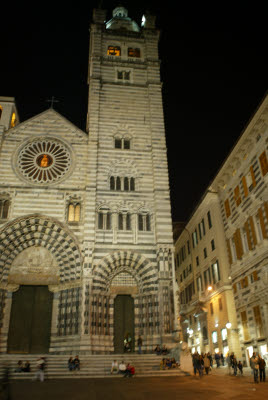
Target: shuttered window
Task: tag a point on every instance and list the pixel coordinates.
(263, 163)
(258, 321)
(238, 244)
(237, 196)
(262, 224)
(245, 325)
(227, 208)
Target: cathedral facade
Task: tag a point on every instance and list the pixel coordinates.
(86, 247)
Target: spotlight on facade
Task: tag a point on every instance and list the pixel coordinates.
(228, 325)
(209, 288)
(216, 325)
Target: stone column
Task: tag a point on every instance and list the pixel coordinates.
(6, 320)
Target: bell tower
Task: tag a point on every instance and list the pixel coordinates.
(129, 176)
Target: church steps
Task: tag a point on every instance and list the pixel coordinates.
(92, 366)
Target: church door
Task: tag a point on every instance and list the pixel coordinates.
(30, 320)
(123, 323)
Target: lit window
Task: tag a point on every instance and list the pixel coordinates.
(224, 334)
(114, 51)
(74, 212)
(214, 337)
(134, 52)
(215, 272)
(13, 120)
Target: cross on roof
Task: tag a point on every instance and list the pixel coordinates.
(52, 101)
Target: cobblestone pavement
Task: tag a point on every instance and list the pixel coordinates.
(218, 385)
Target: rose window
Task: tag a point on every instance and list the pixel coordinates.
(44, 161)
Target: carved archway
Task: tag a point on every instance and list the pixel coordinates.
(133, 263)
(37, 230)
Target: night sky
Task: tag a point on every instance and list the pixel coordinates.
(214, 74)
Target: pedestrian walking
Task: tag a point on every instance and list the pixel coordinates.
(206, 364)
(254, 364)
(139, 342)
(240, 367)
(262, 365)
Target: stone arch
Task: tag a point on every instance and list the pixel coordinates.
(38, 230)
(125, 261)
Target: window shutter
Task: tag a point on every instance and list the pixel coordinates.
(227, 208)
(266, 209)
(262, 223)
(253, 230)
(264, 163)
(255, 275)
(252, 176)
(229, 251)
(248, 236)
(237, 196)
(238, 244)
(245, 186)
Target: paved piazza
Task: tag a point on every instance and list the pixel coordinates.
(218, 386)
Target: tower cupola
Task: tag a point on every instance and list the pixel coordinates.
(121, 21)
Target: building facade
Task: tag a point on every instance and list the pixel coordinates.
(221, 256)
(242, 185)
(86, 247)
(205, 287)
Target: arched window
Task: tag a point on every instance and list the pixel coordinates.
(74, 211)
(144, 222)
(124, 221)
(122, 143)
(112, 183)
(120, 222)
(4, 208)
(118, 183)
(104, 219)
(126, 184)
(132, 184)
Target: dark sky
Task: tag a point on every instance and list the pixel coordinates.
(214, 74)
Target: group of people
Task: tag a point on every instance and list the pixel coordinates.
(258, 364)
(234, 365)
(168, 363)
(23, 367)
(74, 363)
(161, 351)
(127, 370)
(202, 362)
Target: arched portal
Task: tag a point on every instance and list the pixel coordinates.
(128, 283)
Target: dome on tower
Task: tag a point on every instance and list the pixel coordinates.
(121, 21)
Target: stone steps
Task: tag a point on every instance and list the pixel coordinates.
(92, 366)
